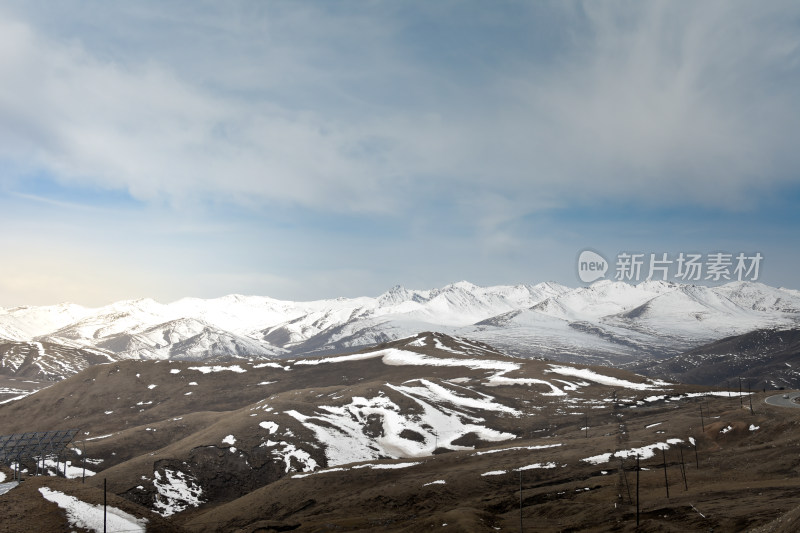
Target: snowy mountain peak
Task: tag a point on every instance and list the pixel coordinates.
(609, 318)
(550, 286)
(394, 296)
(658, 286)
(462, 285)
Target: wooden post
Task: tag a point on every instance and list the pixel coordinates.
(105, 505)
(666, 482)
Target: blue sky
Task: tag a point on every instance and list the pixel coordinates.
(309, 150)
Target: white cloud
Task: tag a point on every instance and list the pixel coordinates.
(145, 130)
(436, 130)
(669, 102)
(641, 102)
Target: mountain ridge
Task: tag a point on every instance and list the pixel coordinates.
(607, 322)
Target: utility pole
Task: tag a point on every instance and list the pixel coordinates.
(683, 471)
(702, 422)
(637, 490)
(520, 500)
(741, 402)
(625, 477)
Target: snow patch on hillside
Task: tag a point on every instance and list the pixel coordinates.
(218, 368)
(585, 373)
(644, 452)
(373, 466)
(397, 357)
(87, 516)
(445, 417)
(516, 448)
(177, 491)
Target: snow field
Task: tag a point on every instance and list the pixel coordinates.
(443, 418)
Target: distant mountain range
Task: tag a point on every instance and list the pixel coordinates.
(606, 323)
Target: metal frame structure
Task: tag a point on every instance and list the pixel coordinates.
(35, 445)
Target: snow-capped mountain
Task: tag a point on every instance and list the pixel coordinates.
(607, 322)
(185, 339)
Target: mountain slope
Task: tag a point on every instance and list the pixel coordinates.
(447, 429)
(45, 361)
(264, 420)
(615, 323)
(185, 339)
(767, 358)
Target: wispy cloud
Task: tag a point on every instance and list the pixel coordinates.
(461, 122)
(641, 100)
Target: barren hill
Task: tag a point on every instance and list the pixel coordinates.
(417, 433)
(766, 358)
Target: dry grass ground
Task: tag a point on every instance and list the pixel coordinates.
(742, 479)
(745, 474)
